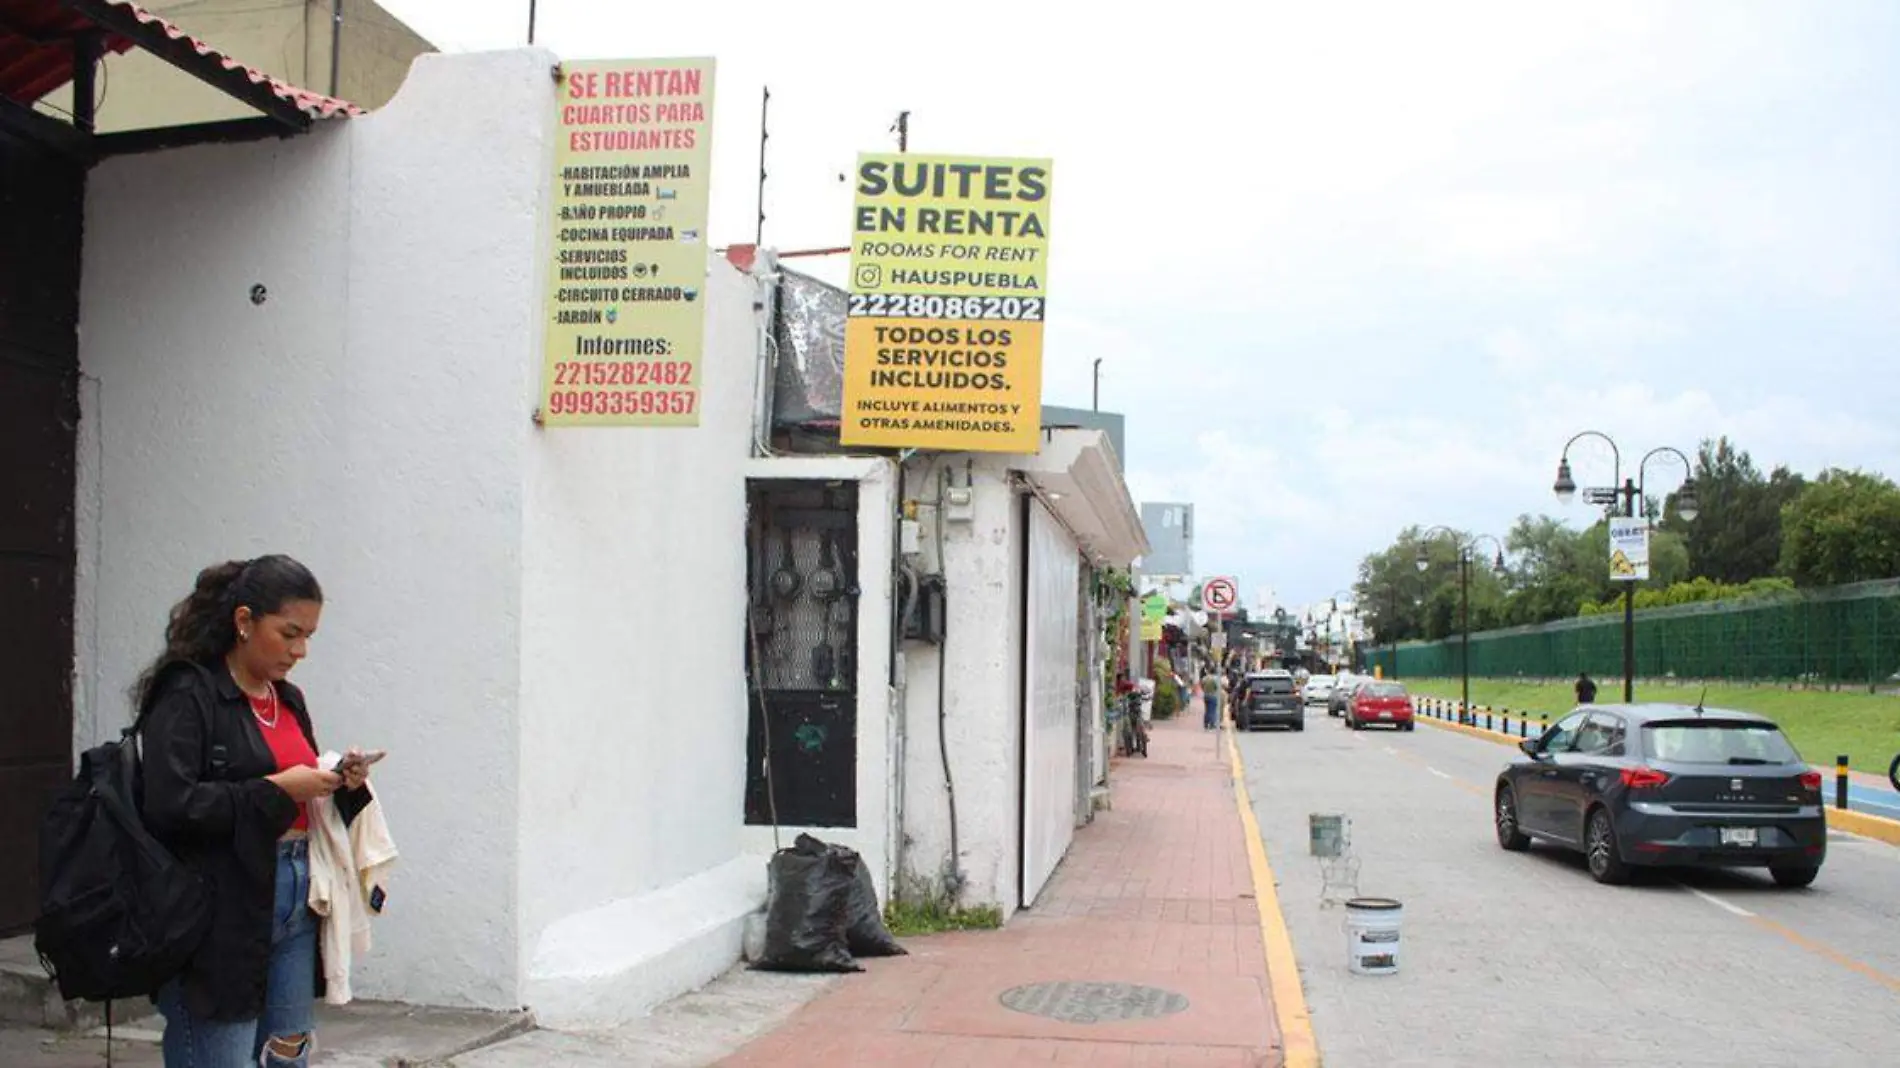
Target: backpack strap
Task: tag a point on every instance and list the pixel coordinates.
(116, 789)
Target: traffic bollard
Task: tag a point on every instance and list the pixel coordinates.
(1840, 782)
(1487, 717)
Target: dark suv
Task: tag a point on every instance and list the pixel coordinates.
(1272, 697)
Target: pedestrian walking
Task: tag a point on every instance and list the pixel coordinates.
(230, 767)
(1210, 694)
(1586, 688)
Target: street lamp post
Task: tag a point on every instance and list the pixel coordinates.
(1629, 491)
(1392, 631)
(1352, 657)
(1465, 545)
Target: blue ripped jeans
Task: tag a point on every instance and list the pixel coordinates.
(290, 993)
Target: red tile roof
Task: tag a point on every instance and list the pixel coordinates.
(36, 54)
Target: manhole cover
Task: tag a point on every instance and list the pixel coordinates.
(1087, 1003)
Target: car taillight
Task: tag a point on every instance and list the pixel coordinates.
(1643, 778)
(1810, 780)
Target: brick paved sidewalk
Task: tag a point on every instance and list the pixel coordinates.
(1156, 892)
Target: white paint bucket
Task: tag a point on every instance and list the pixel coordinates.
(1372, 935)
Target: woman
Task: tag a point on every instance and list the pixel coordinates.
(230, 764)
(1210, 693)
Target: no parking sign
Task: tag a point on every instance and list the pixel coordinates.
(1219, 595)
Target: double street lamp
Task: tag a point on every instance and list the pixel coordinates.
(1333, 616)
(1465, 547)
(1629, 491)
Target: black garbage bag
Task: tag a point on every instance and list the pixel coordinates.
(864, 929)
(806, 905)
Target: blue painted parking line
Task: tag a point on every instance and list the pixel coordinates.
(1871, 800)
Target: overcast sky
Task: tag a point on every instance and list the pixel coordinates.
(1351, 267)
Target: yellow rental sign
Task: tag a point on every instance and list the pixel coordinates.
(949, 286)
(626, 314)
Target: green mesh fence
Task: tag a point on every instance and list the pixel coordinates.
(1841, 634)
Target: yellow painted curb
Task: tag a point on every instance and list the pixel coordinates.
(1476, 732)
(1879, 828)
(1299, 1047)
(1876, 827)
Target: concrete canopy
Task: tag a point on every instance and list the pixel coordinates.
(1078, 472)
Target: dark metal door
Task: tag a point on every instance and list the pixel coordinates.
(801, 653)
(40, 209)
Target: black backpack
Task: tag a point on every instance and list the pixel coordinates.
(119, 915)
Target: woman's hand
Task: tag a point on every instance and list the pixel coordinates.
(355, 775)
(305, 783)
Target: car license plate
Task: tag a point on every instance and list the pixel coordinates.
(1739, 836)
(1385, 715)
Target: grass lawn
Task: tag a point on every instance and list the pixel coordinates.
(1822, 725)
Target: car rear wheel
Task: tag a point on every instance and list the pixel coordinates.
(1407, 725)
(1510, 837)
(1606, 862)
(1794, 878)
(1299, 724)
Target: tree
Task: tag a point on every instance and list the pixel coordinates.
(1736, 535)
(1549, 578)
(1390, 588)
(1843, 527)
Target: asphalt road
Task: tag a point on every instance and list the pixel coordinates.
(1521, 959)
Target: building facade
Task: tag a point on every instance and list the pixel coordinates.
(571, 642)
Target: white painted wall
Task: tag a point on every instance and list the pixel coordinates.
(369, 418)
(542, 627)
(633, 696)
(983, 697)
(876, 771)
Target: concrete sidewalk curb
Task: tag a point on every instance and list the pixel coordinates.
(1299, 1045)
(1879, 828)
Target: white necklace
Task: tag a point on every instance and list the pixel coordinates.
(271, 723)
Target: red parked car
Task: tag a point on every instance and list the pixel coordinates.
(1380, 702)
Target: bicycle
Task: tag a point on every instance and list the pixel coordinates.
(1132, 735)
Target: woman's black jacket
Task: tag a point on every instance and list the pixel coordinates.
(205, 796)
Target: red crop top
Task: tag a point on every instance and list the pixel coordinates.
(285, 737)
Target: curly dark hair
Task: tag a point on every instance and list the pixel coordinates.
(202, 628)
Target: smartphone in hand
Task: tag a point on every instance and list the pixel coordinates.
(356, 759)
(360, 757)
